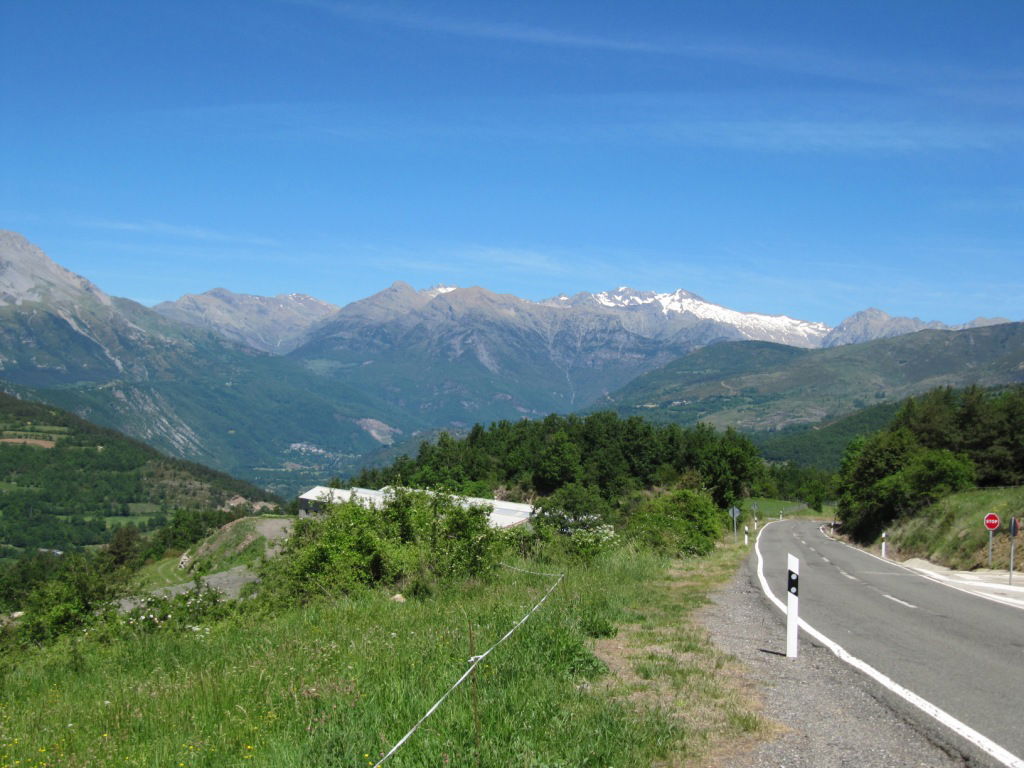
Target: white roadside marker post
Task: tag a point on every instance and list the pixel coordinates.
(792, 606)
(883, 544)
(1014, 527)
(746, 535)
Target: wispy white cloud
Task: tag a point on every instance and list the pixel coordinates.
(504, 31)
(464, 263)
(162, 229)
(831, 136)
(996, 201)
(611, 119)
(939, 78)
(519, 259)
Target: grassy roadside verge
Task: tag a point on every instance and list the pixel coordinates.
(664, 658)
(611, 671)
(950, 532)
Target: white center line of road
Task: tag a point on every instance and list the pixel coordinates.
(897, 600)
(825, 559)
(852, 578)
(1001, 754)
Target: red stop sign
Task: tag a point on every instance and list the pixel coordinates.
(991, 521)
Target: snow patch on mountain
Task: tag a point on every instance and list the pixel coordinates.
(751, 325)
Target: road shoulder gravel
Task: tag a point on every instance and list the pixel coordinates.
(825, 713)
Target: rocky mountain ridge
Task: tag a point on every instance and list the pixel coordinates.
(272, 324)
(872, 323)
(681, 318)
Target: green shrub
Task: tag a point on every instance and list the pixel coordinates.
(588, 543)
(889, 475)
(572, 508)
(187, 611)
(414, 536)
(684, 522)
(68, 601)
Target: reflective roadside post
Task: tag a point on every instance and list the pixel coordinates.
(883, 544)
(1014, 528)
(792, 606)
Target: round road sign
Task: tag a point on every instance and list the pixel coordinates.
(991, 521)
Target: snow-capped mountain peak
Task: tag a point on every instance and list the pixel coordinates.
(439, 290)
(624, 296)
(681, 309)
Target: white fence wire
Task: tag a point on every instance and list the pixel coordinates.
(475, 660)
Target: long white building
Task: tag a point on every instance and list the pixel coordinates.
(504, 514)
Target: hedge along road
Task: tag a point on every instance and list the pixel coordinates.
(959, 653)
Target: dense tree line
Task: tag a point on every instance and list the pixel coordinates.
(938, 443)
(601, 451)
(29, 528)
(795, 482)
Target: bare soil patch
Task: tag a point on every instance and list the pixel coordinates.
(29, 441)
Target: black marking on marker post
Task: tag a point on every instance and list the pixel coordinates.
(793, 584)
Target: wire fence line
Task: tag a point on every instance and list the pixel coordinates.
(475, 660)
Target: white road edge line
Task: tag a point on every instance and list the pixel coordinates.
(923, 574)
(988, 746)
(897, 600)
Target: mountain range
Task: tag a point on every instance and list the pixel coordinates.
(285, 322)
(288, 388)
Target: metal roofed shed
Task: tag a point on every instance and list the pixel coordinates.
(504, 514)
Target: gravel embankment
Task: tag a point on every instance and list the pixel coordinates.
(826, 714)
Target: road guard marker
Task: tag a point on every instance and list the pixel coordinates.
(792, 606)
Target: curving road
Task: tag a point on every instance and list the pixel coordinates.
(960, 652)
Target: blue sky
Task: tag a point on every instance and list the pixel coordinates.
(806, 158)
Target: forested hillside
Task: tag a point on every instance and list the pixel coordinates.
(66, 482)
(602, 452)
(822, 446)
(938, 443)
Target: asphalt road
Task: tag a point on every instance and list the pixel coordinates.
(962, 653)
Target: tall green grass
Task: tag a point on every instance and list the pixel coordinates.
(336, 683)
